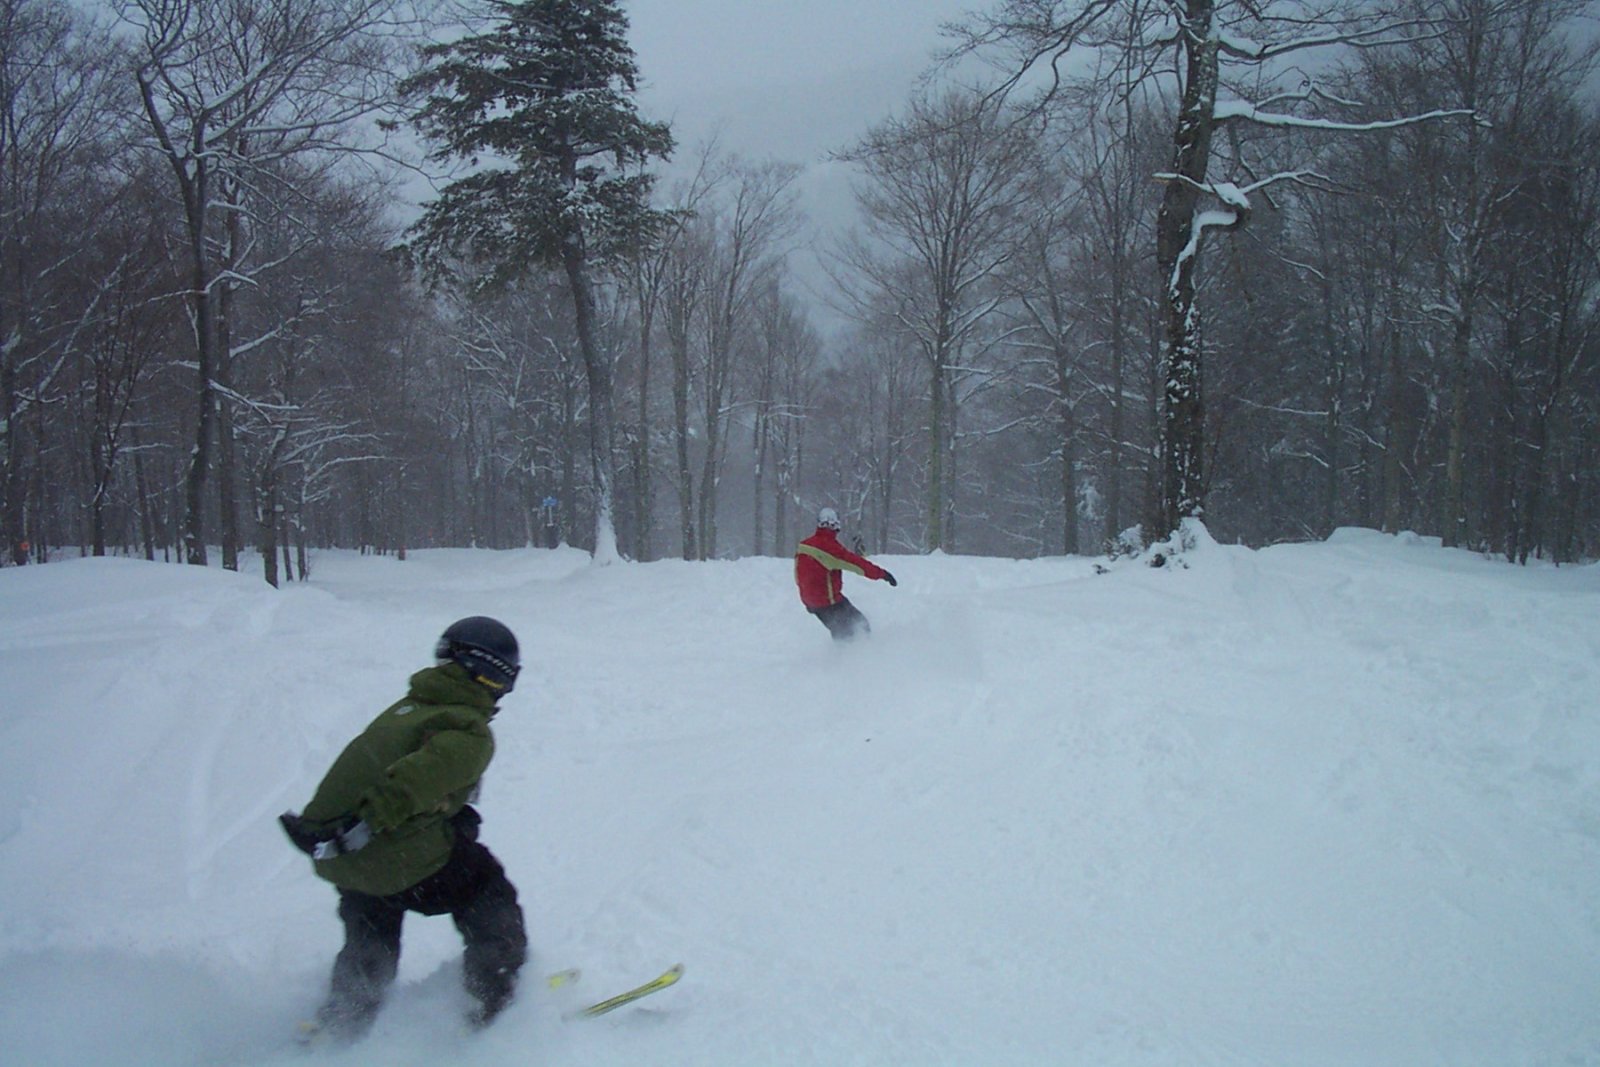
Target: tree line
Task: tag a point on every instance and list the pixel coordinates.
(1279, 266)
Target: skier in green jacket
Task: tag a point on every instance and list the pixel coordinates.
(392, 828)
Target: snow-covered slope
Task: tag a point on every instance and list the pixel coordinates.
(1319, 804)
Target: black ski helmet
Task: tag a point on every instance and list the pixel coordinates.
(485, 648)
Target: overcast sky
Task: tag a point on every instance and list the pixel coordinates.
(785, 79)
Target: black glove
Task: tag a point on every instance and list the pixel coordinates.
(300, 836)
(889, 578)
(325, 844)
(465, 822)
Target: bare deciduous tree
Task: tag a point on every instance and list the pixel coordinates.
(751, 214)
(943, 194)
(57, 117)
(1233, 63)
(231, 89)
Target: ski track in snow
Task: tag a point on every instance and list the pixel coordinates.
(1319, 804)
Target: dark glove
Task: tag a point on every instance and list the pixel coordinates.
(301, 836)
(324, 844)
(385, 806)
(889, 578)
(465, 822)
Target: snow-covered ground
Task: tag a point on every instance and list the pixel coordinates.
(1320, 804)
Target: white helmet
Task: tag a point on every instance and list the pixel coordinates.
(828, 519)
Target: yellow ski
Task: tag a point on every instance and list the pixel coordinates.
(655, 985)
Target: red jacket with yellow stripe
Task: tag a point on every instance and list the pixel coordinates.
(819, 568)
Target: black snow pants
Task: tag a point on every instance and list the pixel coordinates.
(842, 619)
(473, 890)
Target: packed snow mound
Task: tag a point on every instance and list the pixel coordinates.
(1316, 804)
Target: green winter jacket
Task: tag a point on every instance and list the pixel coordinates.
(425, 754)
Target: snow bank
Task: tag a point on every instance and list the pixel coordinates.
(1317, 804)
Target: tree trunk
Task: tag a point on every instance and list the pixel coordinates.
(710, 473)
(302, 559)
(643, 498)
(267, 523)
(10, 454)
(783, 490)
(100, 459)
(227, 472)
(141, 484)
(758, 493)
(1069, 467)
(680, 423)
(936, 451)
(194, 526)
(1453, 522)
(602, 425)
(1113, 525)
(1069, 487)
(1182, 427)
(285, 526)
(1333, 399)
(569, 459)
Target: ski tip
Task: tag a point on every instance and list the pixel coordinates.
(655, 985)
(562, 978)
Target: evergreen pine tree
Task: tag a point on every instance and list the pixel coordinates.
(541, 105)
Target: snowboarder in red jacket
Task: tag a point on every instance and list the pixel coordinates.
(819, 568)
